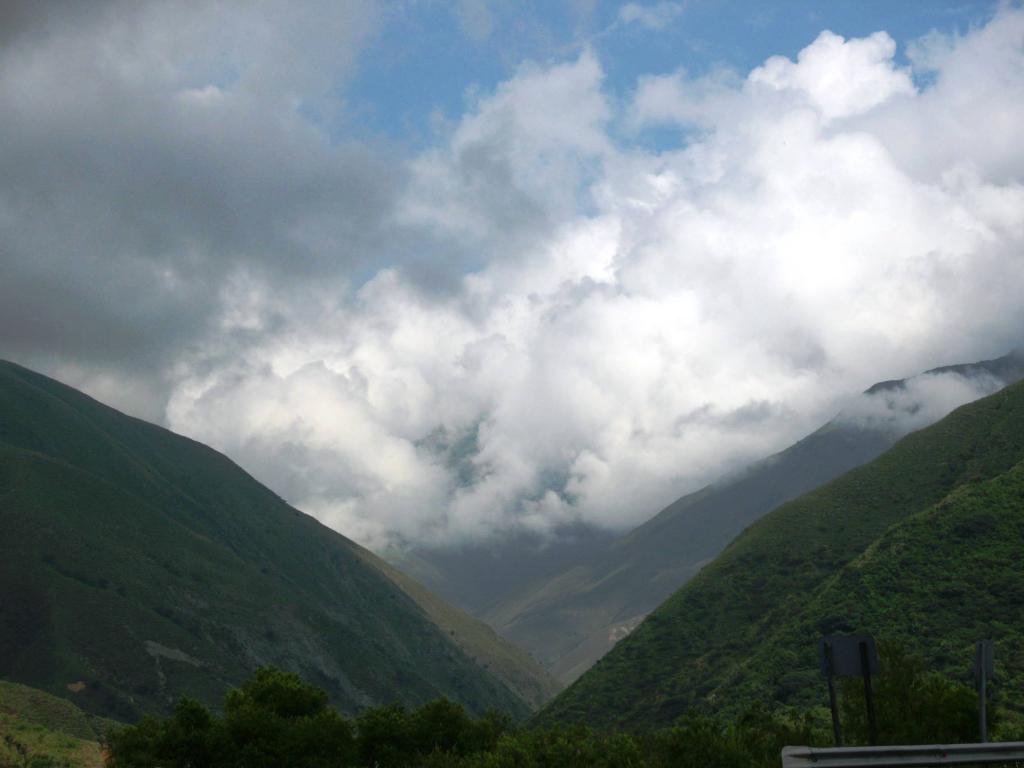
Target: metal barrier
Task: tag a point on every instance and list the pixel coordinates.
(897, 757)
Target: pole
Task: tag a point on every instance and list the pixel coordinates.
(836, 730)
(982, 725)
(981, 665)
(869, 698)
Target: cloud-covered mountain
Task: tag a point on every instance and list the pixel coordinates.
(570, 618)
(920, 547)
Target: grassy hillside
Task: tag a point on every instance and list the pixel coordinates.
(36, 725)
(568, 620)
(52, 712)
(138, 566)
(745, 628)
(23, 743)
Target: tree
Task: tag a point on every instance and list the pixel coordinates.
(912, 706)
(274, 720)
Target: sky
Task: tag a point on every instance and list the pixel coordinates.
(445, 272)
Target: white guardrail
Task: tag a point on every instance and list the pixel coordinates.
(897, 757)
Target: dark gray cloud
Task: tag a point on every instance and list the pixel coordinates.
(140, 170)
(30, 20)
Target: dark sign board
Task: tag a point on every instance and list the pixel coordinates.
(844, 653)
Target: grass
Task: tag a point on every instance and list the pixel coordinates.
(50, 712)
(39, 729)
(30, 744)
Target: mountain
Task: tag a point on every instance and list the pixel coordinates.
(570, 619)
(512, 665)
(923, 544)
(138, 566)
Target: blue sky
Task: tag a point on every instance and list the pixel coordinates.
(428, 58)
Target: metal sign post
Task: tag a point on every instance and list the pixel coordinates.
(984, 662)
(849, 656)
(837, 731)
(869, 697)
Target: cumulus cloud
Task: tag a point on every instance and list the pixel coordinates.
(966, 120)
(513, 167)
(838, 77)
(537, 322)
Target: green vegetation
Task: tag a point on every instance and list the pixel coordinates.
(24, 744)
(37, 730)
(912, 705)
(137, 567)
(51, 712)
(923, 545)
(936, 583)
(277, 720)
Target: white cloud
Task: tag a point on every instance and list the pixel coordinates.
(920, 401)
(675, 98)
(537, 321)
(515, 162)
(838, 77)
(677, 314)
(969, 117)
(654, 17)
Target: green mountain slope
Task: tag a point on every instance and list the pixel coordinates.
(568, 620)
(936, 583)
(512, 665)
(745, 628)
(137, 566)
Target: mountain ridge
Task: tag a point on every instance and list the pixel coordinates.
(146, 565)
(746, 604)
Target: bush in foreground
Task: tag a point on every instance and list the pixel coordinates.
(277, 720)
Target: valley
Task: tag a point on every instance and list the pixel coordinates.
(568, 619)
